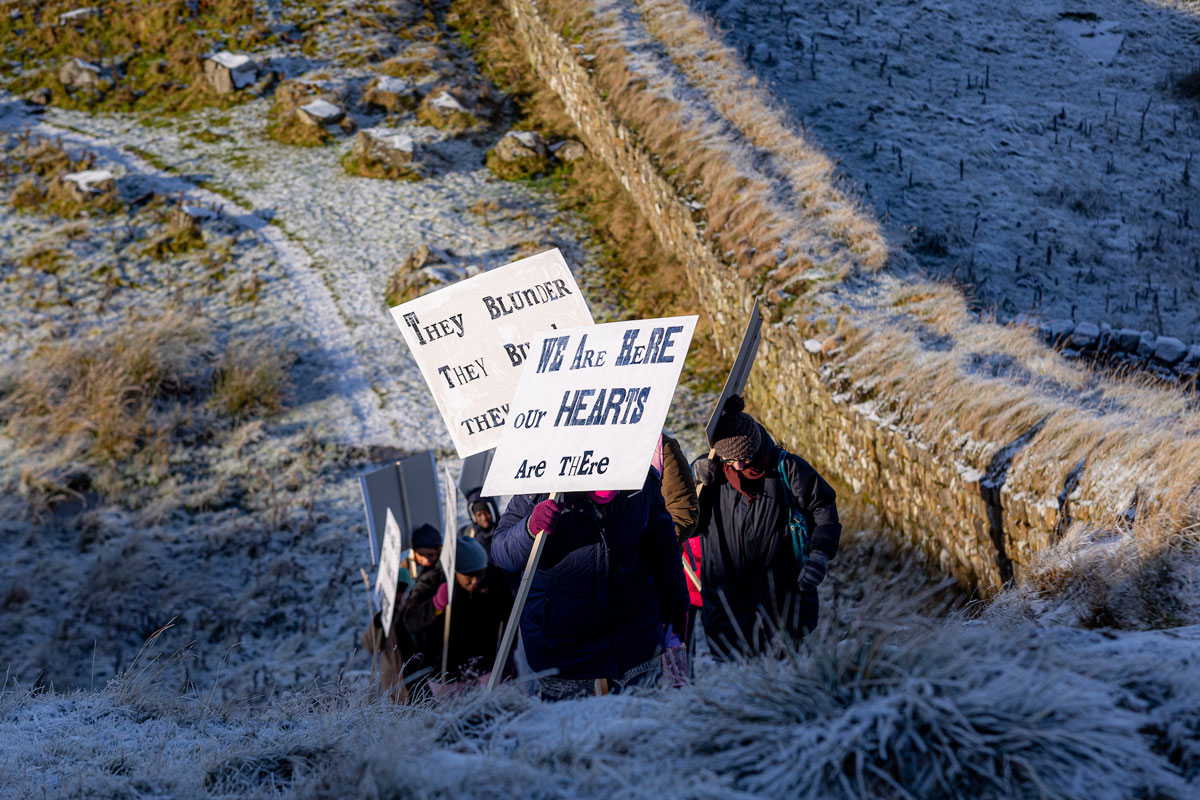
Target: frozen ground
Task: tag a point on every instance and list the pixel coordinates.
(1037, 152)
(885, 702)
(254, 545)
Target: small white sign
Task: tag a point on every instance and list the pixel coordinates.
(449, 535)
(389, 571)
(589, 409)
(471, 339)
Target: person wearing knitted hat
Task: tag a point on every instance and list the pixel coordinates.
(481, 603)
(768, 528)
(427, 546)
(396, 645)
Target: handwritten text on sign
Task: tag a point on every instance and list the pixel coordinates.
(389, 571)
(471, 339)
(589, 407)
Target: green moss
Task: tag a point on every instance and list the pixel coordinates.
(364, 168)
(518, 169)
(457, 121)
(164, 45)
(284, 125)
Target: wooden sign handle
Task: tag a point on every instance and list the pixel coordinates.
(691, 572)
(514, 618)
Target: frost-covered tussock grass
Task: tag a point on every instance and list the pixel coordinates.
(898, 707)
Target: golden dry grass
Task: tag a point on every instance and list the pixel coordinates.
(101, 414)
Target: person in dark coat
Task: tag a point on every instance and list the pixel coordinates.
(608, 583)
(396, 646)
(482, 526)
(481, 604)
(753, 583)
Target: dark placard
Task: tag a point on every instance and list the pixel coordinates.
(736, 382)
(474, 472)
(419, 486)
(409, 490)
(381, 492)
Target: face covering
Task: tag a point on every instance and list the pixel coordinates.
(602, 497)
(749, 480)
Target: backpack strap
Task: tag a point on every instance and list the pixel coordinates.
(797, 524)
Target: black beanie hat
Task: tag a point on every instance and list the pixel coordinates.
(738, 436)
(426, 537)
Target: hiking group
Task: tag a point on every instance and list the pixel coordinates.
(623, 575)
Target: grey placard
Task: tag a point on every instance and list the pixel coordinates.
(381, 491)
(474, 471)
(419, 488)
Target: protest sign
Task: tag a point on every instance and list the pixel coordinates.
(448, 560)
(588, 411)
(471, 339)
(736, 382)
(474, 471)
(389, 571)
(419, 489)
(380, 493)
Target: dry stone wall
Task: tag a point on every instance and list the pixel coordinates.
(961, 515)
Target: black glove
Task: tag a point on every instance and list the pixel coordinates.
(814, 571)
(707, 471)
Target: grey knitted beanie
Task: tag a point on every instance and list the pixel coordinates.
(469, 556)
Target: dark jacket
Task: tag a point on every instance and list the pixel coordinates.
(679, 489)
(474, 625)
(748, 554)
(609, 578)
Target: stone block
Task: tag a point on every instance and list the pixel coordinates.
(568, 150)
(320, 112)
(1059, 331)
(391, 94)
(1169, 350)
(1126, 340)
(228, 72)
(1146, 344)
(76, 73)
(1085, 336)
(387, 147)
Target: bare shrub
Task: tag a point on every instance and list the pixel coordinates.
(96, 400)
(102, 414)
(252, 380)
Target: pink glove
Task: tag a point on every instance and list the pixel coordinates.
(544, 516)
(442, 598)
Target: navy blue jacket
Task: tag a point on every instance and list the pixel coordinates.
(608, 580)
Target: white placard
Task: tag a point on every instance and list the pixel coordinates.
(389, 571)
(589, 409)
(470, 340)
(449, 535)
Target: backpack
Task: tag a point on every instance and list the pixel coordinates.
(797, 524)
